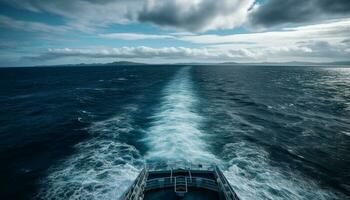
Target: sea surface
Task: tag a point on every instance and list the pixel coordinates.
(277, 132)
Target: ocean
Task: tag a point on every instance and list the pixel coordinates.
(277, 132)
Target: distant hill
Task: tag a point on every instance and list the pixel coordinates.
(117, 63)
(125, 63)
(293, 63)
(340, 63)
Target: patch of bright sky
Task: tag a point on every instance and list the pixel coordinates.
(134, 43)
(136, 28)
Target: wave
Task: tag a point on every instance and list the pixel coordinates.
(254, 176)
(103, 166)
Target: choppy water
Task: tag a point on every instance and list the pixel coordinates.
(84, 133)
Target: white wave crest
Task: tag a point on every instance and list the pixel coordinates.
(253, 177)
(102, 168)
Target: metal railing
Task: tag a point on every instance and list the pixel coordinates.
(136, 190)
(224, 185)
(191, 182)
(178, 165)
(180, 184)
(141, 184)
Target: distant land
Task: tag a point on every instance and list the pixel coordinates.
(293, 63)
(97, 64)
(123, 63)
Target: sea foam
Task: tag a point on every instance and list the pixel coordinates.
(175, 134)
(102, 167)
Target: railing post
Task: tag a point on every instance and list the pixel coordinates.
(171, 175)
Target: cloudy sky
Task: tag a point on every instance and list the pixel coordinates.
(40, 32)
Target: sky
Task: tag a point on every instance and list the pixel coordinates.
(45, 32)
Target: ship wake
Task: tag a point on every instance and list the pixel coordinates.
(175, 132)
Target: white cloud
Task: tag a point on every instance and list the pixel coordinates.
(334, 31)
(311, 42)
(331, 31)
(307, 51)
(171, 53)
(319, 42)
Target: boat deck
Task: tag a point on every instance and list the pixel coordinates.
(181, 182)
(192, 194)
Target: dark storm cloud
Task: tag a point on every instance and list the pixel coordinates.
(169, 15)
(179, 14)
(194, 16)
(276, 12)
(346, 41)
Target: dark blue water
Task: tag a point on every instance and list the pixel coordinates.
(85, 132)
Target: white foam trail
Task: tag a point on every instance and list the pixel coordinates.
(102, 168)
(175, 133)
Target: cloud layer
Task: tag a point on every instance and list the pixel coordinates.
(307, 30)
(191, 15)
(276, 12)
(30, 26)
(127, 52)
(319, 42)
(197, 15)
(321, 50)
